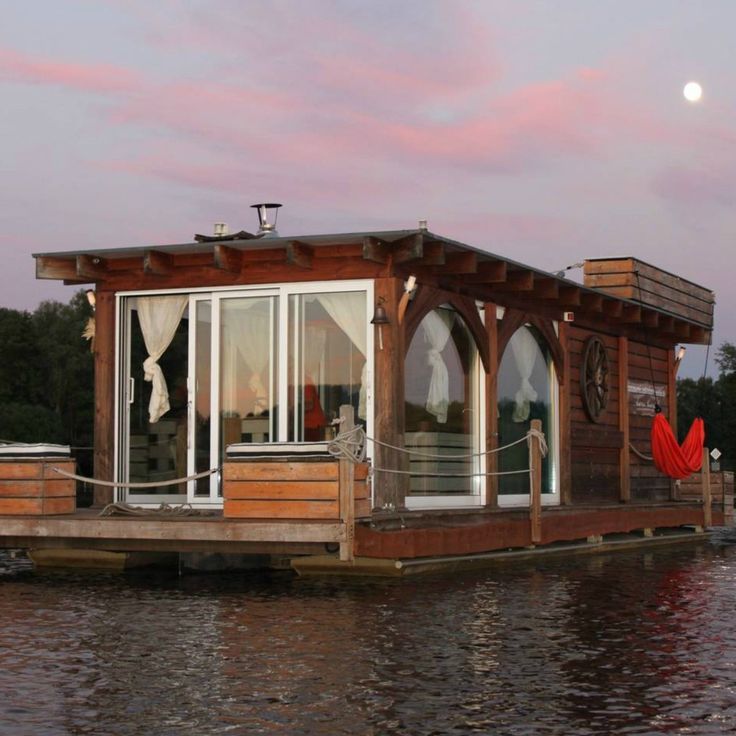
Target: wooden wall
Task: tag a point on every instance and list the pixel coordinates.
(647, 363)
(594, 446)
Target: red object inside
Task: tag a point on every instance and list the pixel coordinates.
(677, 461)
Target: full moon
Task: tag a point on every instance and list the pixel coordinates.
(692, 91)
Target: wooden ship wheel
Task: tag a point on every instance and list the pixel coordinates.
(594, 378)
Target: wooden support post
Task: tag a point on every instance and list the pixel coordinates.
(390, 489)
(535, 494)
(565, 417)
(707, 498)
(491, 324)
(623, 421)
(104, 424)
(672, 366)
(346, 475)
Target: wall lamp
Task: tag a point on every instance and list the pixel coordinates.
(680, 354)
(380, 318)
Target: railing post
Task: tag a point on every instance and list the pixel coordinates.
(707, 496)
(535, 494)
(346, 475)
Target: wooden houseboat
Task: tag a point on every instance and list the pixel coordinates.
(223, 367)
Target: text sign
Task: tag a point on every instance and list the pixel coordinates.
(643, 396)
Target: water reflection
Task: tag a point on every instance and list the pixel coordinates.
(636, 643)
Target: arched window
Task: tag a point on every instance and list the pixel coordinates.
(442, 411)
(527, 389)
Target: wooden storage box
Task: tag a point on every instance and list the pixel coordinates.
(32, 487)
(289, 489)
(633, 279)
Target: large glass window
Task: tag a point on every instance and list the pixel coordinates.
(442, 408)
(526, 391)
(327, 361)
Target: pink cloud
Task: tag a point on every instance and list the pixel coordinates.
(17, 67)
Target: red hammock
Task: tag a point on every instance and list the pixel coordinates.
(677, 461)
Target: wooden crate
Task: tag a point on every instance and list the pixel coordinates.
(31, 487)
(289, 489)
(633, 279)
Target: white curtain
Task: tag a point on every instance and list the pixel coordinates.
(248, 325)
(347, 310)
(437, 326)
(525, 350)
(159, 316)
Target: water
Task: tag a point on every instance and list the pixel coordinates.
(633, 643)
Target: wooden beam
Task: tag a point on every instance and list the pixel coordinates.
(666, 323)
(547, 288)
(410, 248)
(51, 267)
(623, 420)
(570, 296)
(375, 250)
(434, 254)
(228, 258)
(591, 302)
(459, 263)
(521, 280)
(682, 331)
(157, 263)
(90, 268)
(613, 308)
(299, 254)
(649, 319)
(491, 325)
(489, 272)
(631, 314)
(104, 396)
(565, 417)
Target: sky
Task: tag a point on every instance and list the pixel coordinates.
(547, 132)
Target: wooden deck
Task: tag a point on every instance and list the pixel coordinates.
(404, 536)
(85, 529)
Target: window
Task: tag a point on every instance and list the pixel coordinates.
(527, 389)
(442, 394)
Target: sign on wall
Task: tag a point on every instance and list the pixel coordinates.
(642, 397)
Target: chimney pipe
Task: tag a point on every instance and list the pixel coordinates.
(266, 228)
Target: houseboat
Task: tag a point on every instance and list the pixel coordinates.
(366, 401)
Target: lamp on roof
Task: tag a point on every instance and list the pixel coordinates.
(267, 227)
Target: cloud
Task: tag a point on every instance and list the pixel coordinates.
(99, 78)
(697, 186)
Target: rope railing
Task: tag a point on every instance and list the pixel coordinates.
(151, 484)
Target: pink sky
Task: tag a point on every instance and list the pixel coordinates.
(547, 132)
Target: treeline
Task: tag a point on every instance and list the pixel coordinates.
(715, 401)
(47, 376)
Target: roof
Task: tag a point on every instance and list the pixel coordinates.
(459, 266)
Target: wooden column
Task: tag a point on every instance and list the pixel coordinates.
(565, 421)
(390, 488)
(104, 430)
(707, 496)
(535, 492)
(346, 476)
(672, 366)
(623, 420)
(491, 324)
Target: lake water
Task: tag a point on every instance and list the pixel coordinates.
(634, 643)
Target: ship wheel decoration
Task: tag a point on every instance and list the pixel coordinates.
(594, 378)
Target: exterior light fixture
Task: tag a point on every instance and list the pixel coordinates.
(91, 298)
(380, 318)
(680, 353)
(267, 228)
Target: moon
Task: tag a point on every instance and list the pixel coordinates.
(692, 92)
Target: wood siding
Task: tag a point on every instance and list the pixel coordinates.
(594, 446)
(646, 364)
(32, 487)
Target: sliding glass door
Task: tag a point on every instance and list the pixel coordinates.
(234, 366)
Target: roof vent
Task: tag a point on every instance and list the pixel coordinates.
(266, 228)
(221, 229)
